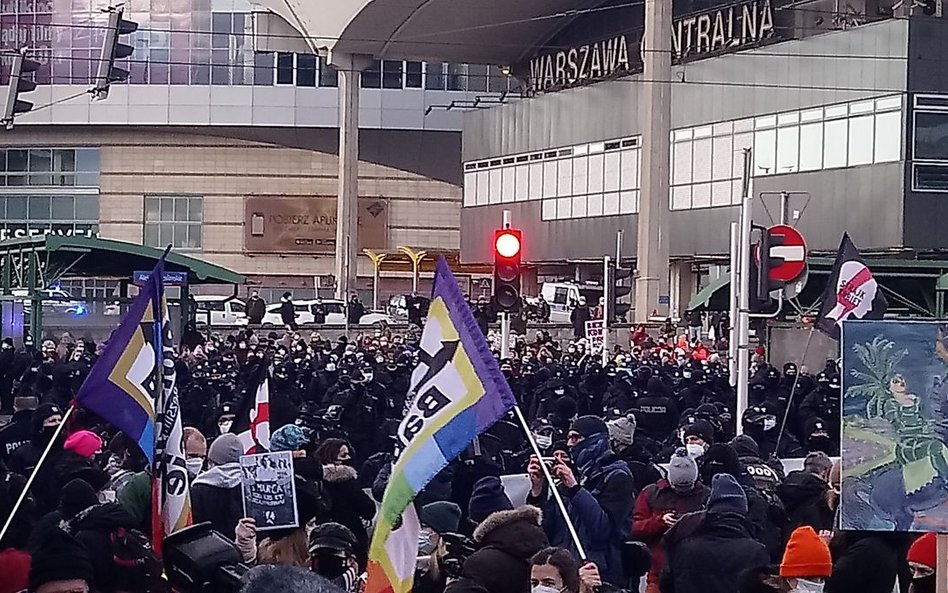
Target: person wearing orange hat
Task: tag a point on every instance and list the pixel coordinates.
(806, 562)
(922, 559)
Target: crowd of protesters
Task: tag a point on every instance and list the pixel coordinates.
(643, 452)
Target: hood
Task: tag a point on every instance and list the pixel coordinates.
(333, 473)
(103, 517)
(801, 487)
(745, 446)
(655, 387)
(225, 476)
(516, 531)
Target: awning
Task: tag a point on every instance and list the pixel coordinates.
(105, 258)
(712, 297)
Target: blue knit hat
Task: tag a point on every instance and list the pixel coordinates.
(487, 497)
(727, 496)
(288, 438)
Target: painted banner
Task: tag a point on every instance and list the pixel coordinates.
(895, 402)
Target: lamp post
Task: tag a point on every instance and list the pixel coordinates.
(415, 257)
(377, 259)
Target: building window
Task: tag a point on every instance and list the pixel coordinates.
(372, 76)
(413, 75)
(56, 167)
(931, 135)
(306, 73)
(174, 220)
(392, 74)
(285, 63)
(434, 76)
(328, 75)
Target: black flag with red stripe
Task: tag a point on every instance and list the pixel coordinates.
(851, 293)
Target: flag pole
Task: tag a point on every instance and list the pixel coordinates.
(549, 480)
(29, 482)
(793, 388)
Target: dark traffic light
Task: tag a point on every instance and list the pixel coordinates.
(764, 283)
(113, 50)
(508, 250)
(21, 81)
(615, 290)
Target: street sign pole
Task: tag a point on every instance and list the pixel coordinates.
(743, 309)
(505, 317)
(605, 311)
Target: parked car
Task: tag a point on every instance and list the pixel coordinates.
(217, 310)
(54, 300)
(335, 314)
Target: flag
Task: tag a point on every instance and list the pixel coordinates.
(252, 418)
(171, 499)
(851, 293)
(123, 384)
(456, 392)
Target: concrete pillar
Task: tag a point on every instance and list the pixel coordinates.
(651, 282)
(682, 286)
(347, 206)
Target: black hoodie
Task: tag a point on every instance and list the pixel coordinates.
(93, 528)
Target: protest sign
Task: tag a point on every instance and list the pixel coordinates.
(269, 490)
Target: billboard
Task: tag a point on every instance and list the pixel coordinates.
(280, 224)
(895, 403)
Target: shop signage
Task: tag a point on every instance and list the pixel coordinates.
(725, 29)
(280, 224)
(19, 231)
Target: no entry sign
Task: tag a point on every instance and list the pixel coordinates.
(789, 248)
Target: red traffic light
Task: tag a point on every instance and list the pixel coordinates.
(507, 243)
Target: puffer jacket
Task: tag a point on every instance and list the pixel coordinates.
(506, 541)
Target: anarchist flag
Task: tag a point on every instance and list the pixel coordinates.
(851, 293)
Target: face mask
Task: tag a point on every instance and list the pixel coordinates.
(694, 450)
(427, 542)
(331, 566)
(194, 466)
(544, 441)
(770, 423)
(544, 589)
(114, 465)
(225, 425)
(330, 368)
(48, 432)
(368, 377)
(807, 586)
(559, 391)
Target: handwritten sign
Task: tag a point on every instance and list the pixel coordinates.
(594, 335)
(269, 490)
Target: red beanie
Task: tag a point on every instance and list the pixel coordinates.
(806, 555)
(15, 570)
(923, 551)
(84, 443)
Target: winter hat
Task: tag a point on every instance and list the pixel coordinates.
(225, 449)
(622, 430)
(487, 497)
(15, 568)
(334, 536)
(589, 425)
(564, 407)
(745, 446)
(442, 516)
(59, 557)
(806, 555)
(922, 551)
(83, 443)
(682, 471)
(701, 429)
(727, 496)
(720, 458)
(77, 496)
(288, 438)
(42, 412)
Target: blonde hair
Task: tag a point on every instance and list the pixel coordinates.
(291, 550)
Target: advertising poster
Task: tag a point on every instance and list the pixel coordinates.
(895, 401)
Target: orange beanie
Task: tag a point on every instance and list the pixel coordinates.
(806, 555)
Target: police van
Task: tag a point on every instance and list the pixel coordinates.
(562, 296)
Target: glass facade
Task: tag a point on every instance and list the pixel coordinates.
(49, 190)
(603, 178)
(197, 42)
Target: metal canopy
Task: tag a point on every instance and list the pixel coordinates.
(482, 32)
(104, 258)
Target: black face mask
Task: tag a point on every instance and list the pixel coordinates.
(330, 566)
(48, 432)
(924, 584)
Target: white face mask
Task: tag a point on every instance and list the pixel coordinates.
(544, 589)
(770, 423)
(225, 425)
(694, 450)
(544, 441)
(807, 586)
(194, 465)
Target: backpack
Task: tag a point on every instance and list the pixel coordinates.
(131, 549)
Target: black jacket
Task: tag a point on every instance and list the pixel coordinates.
(216, 496)
(288, 313)
(506, 541)
(355, 311)
(864, 561)
(350, 504)
(93, 528)
(256, 309)
(16, 433)
(712, 558)
(804, 497)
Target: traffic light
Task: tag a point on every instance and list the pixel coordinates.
(765, 283)
(113, 50)
(21, 81)
(615, 290)
(508, 250)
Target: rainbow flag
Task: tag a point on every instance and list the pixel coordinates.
(457, 392)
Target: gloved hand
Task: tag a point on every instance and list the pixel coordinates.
(246, 539)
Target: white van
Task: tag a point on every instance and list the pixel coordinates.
(561, 296)
(335, 314)
(217, 310)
